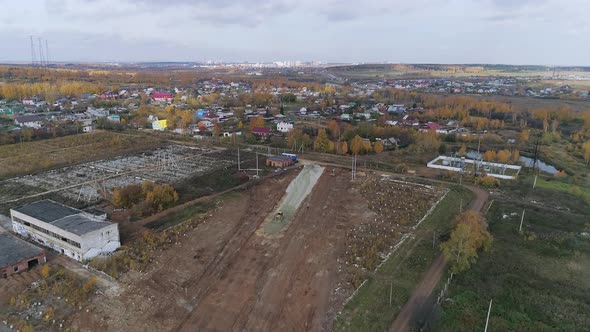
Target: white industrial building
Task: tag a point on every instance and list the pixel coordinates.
(72, 232)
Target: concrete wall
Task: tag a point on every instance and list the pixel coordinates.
(104, 240)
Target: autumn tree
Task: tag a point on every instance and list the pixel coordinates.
(515, 156)
(463, 150)
(469, 236)
(187, 119)
(256, 122)
(367, 147)
(427, 141)
(490, 155)
(356, 146)
(343, 150)
(524, 136)
(295, 137)
(322, 142)
(171, 117)
(161, 197)
(334, 128)
(586, 152)
(378, 147)
(503, 156)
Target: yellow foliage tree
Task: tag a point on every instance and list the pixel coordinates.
(356, 146)
(463, 150)
(490, 155)
(586, 152)
(467, 238)
(256, 122)
(322, 142)
(378, 147)
(503, 156)
(343, 148)
(45, 271)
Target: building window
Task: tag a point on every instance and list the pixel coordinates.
(16, 268)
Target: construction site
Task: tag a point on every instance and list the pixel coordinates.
(283, 254)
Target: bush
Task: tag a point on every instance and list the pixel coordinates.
(488, 182)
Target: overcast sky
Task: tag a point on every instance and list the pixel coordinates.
(548, 32)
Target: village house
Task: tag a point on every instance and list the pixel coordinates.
(284, 127)
(30, 121)
(162, 97)
(261, 132)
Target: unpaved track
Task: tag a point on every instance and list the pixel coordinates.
(419, 297)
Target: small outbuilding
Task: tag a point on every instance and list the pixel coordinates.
(18, 255)
(279, 161)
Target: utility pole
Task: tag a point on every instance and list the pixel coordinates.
(238, 159)
(433, 238)
(390, 293)
(257, 164)
(521, 220)
(488, 319)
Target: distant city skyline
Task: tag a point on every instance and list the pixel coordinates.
(519, 32)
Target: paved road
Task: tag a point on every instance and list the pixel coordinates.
(429, 281)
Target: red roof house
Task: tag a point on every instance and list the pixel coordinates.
(160, 96)
(261, 131)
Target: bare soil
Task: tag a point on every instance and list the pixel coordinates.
(222, 276)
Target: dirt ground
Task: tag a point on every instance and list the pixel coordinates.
(222, 276)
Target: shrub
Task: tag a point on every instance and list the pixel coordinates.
(488, 182)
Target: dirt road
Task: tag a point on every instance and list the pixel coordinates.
(420, 296)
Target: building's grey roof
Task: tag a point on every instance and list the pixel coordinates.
(14, 250)
(64, 217)
(47, 210)
(79, 224)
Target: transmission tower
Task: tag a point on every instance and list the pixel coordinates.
(33, 56)
(47, 60)
(41, 58)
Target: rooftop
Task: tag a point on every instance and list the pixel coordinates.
(14, 250)
(64, 217)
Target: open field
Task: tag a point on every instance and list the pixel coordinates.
(538, 280)
(30, 157)
(225, 275)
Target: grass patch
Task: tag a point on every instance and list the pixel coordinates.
(181, 216)
(210, 183)
(369, 310)
(582, 192)
(538, 280)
